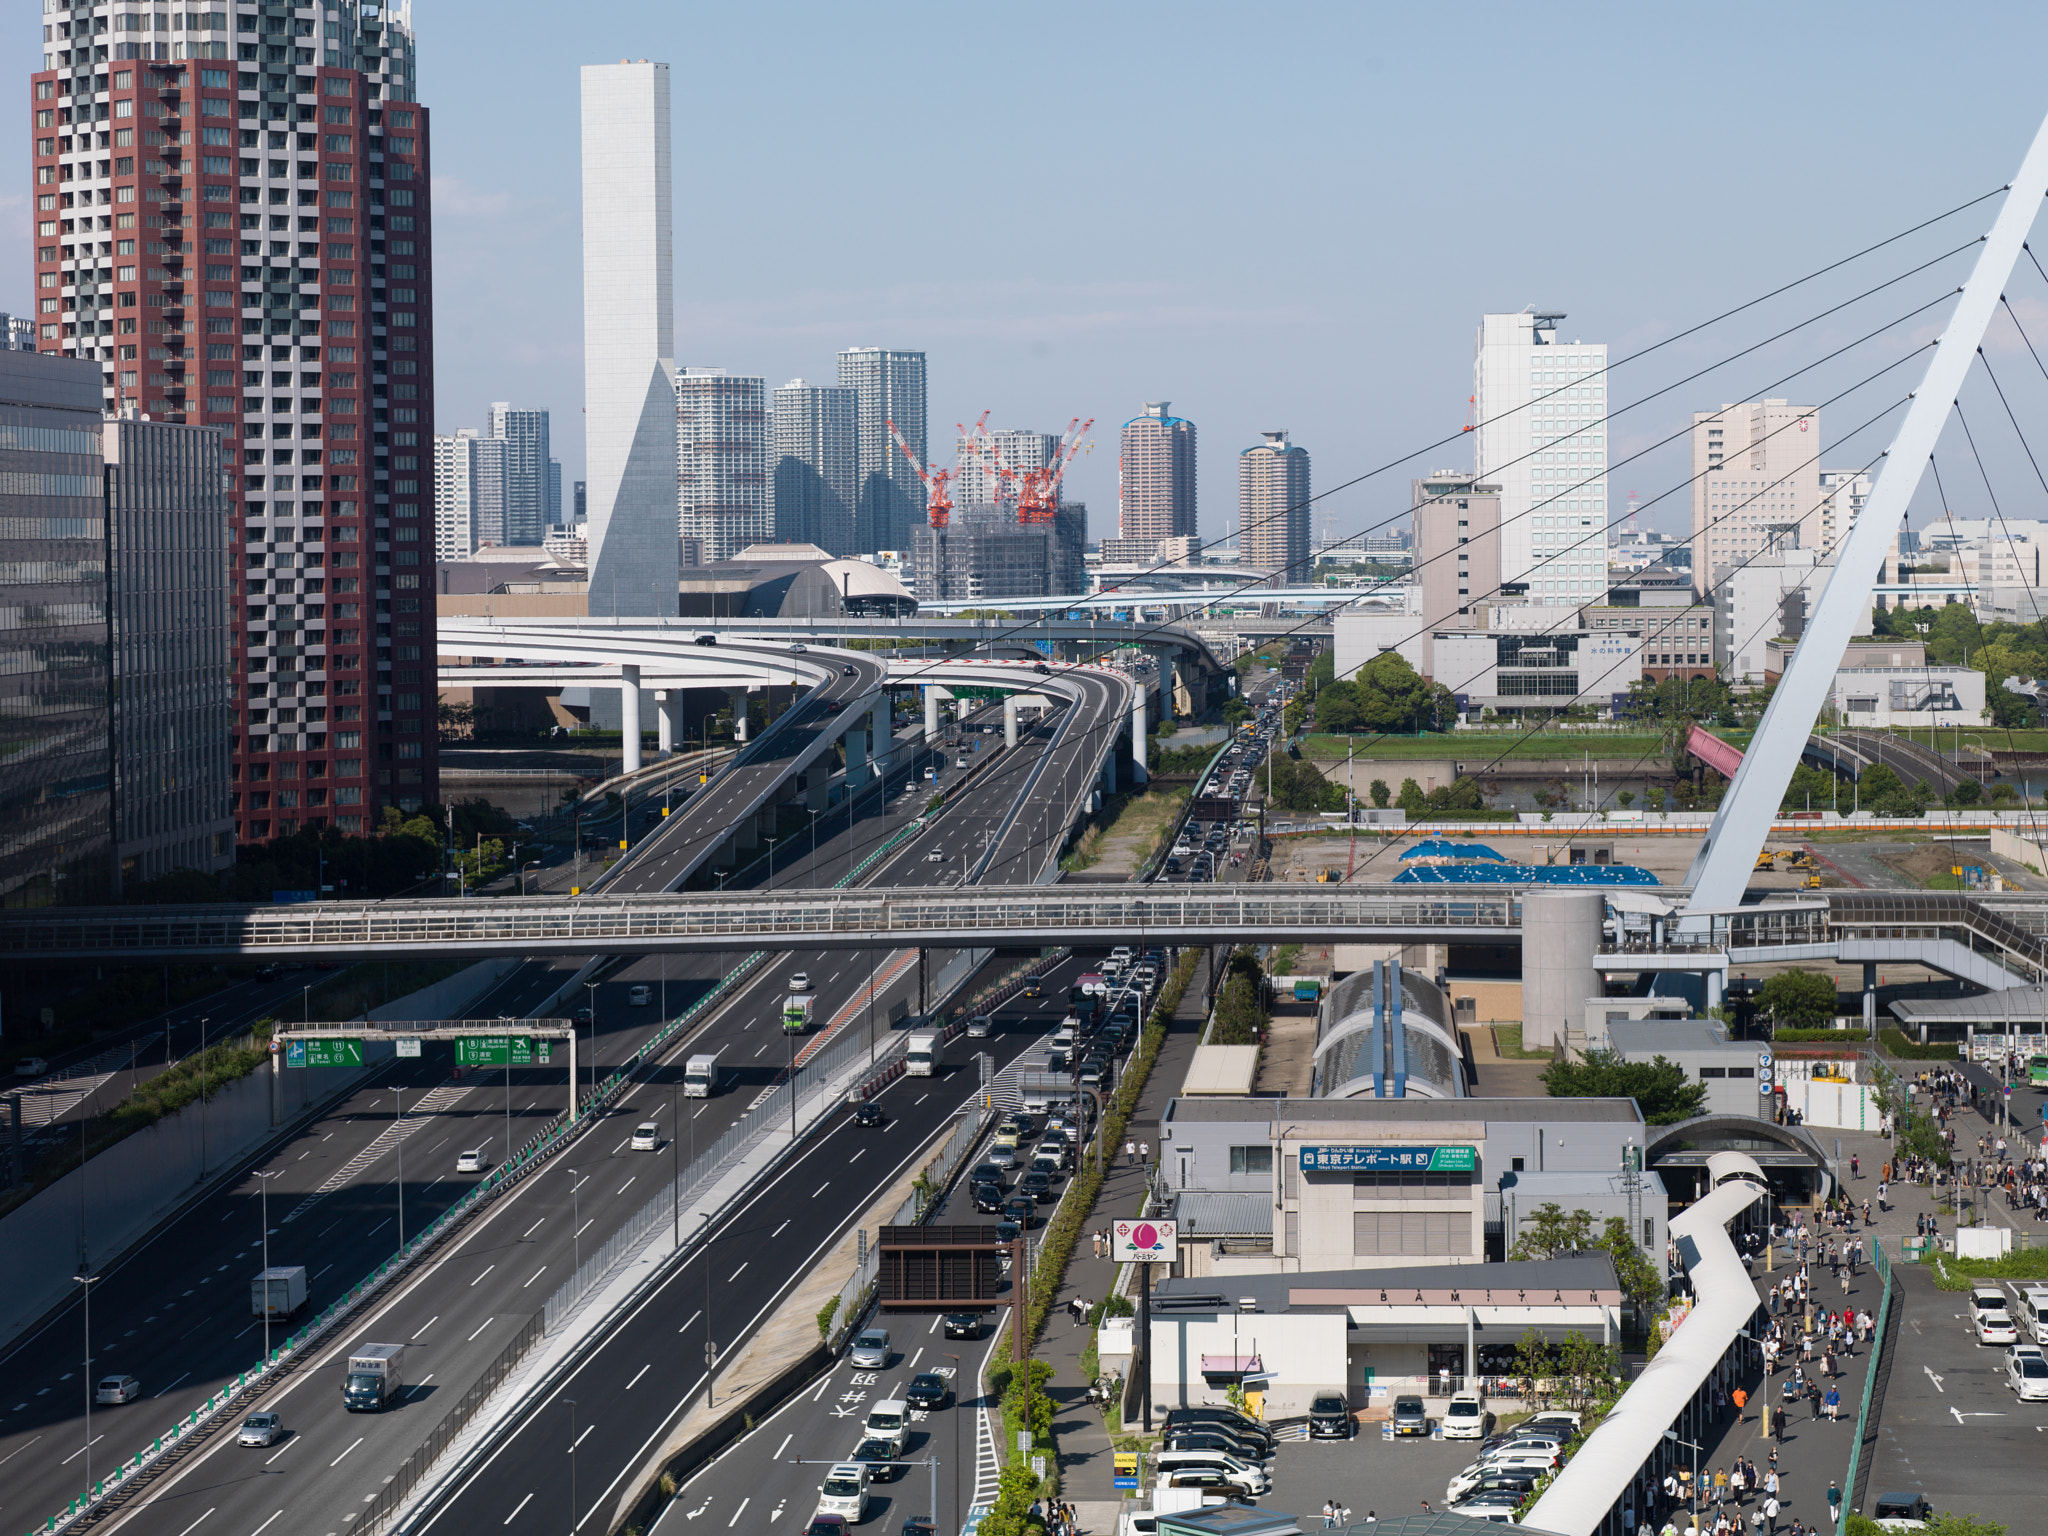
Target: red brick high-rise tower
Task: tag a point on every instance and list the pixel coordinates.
(231, 214)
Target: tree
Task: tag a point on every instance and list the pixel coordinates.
(1660, 1088)
(1391, 696)
(2009, 710)
(1533, 1363)
(1798, 1000)
(1240, 1020)
(1411, 798)
(1952, 1524)
(1641, 1281)
(1587, 1369)
(1548, 1232)
(1299, 786)
(1882, 791)
(1380, 793)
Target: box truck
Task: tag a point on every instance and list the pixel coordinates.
(924, 1054)
(278, 1291)
(376, 1375)
(796, 1011)
(700, 1076)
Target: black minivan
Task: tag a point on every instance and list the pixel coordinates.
(1329, 1418)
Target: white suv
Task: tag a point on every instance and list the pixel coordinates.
(1465, 1417)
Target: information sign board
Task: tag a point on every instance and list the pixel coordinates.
(1395, 1159)
(324, 1051)
(502, 1051)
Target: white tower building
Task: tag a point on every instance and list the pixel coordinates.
(629, 390)
(1541, 436)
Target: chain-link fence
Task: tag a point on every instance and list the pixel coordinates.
(393, 1494)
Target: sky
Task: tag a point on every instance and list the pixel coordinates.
(1272, 218)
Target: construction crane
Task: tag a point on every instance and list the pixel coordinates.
(938, 505)
(1038, 488)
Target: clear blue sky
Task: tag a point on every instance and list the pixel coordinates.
(1272, 216)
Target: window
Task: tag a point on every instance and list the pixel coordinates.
(1252, 1160)
(1713, 1072)
(1410, 1233)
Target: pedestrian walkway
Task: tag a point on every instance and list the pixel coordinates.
(1086, 1472)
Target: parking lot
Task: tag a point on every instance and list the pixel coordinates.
(1366, 1473)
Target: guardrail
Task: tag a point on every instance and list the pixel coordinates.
(1878, 1358)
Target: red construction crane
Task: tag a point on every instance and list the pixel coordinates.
(938, 505)
(1038, 490)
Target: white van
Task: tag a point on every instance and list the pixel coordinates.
(2032, 1313)
(889, 1420)
(640, 996)
(1239, 1473)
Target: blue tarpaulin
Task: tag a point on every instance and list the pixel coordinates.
(1444, 848)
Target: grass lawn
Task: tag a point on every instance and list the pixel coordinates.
(1508, 1041)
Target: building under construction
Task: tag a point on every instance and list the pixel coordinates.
(986, 555)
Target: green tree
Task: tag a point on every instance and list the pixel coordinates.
(1968, 792)
(1411, 798)
(1534, 1363)
(1954, 634)
(1549, 1232)
(1952, 1524)
(1392, 696)
(1881, 790)
(2011, 711)
(1587, 1369)
(1660, 1088)
(1299, 786)
(1641, 1281)
(1240, 1018)
(1380, 794)
(1798, 999)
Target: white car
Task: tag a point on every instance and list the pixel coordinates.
(646, 1137)
(31, 1066)
(260, 1429)
(471, 1161)
(640, 997)
(845, 1492)
(1465, 1417)
(2026, 1371)
(117, 1389)
(1995, 1328)
(799, 981)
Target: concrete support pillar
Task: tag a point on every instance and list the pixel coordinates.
(665, 721)
(1717, 982)
(1139, 773)
(856, 757)
(878, 734)
(1009, 720)
(931, 714)
(1560, 941)
(739, 713)
(747, 833)
(1164, 659)
(817, 787)
(629, 715)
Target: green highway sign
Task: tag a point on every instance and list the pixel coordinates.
(502, 1051)
(325, 1051)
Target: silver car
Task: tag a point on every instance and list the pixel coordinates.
(870, 1350)
(261, 1429)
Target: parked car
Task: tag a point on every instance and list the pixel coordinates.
(1901, 1511)
(1465, 1417)
(2026, 1371)
(31, 1066)
(1409, 1417)
(1329, 1418)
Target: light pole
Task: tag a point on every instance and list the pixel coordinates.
(573, 1521)
(87, 1281)
(265, 1187)
(1673, 1436)
(590, 992)
(957, 1414)
(710, 1344)
(576, 1217)
(398, 1132)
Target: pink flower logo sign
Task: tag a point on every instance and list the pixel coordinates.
(1145, 1241)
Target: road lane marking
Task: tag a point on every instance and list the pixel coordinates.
(821, 1189)
(586, 1226)
(194, 1525)
(627, 1185)
(584, 1436)
(281, 1449)
(735, 1520)
(784, 1446)
(423, 1327)
(778, 1231)
(96, 1439)
(737, 1273)
(159, 1394)
(339, 1459)
(266, 1525)
(638, 1374)
(526, 1234)
(536, 1275)
(693, 1317)
(487, 1323)
(487, 1269)
(517, 1507)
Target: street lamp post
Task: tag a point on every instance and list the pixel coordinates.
(1673, 1436)
(576, 1217)
(87, 1280)
(957, 1414)
(265, 1187)
(573, 1521)
(398, 1132)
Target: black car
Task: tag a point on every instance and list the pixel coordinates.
(1006, 1231)
(918, 1525)
(1237, 1423)
(846, 671)
(1038, 1186)
(988, 1198)
(880, 1455)
(927, 1390)
(1208, 1437)
(1329, 1418)
(870, 1114)
(1020, 1208)
(961, 1325)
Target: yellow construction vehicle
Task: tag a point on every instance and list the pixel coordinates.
(1813, 882)
(1766, 863)
(1799, 858)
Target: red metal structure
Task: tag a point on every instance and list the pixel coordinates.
(938, 504)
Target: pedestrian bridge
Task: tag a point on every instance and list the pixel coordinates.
(1951, 932)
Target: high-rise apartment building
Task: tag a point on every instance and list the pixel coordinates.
(1273, 507)
(231, 217)
(525, 436)
(1541, 436)
(888, 386)
(1755, 484)
(1842, 494)
(629, 389)
(1155, 476)
(170, 639)
(724, 486)
(817, 466)
(455, 494)
(975, 480)
(1457, 547)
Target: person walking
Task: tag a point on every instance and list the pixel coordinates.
(1770, 1513)
(1130, 1154)
(1144, 1153)
(1740, 1397)
(1834, 1502)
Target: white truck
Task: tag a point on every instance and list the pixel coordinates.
(278, 1291)
(924, 1054)
(376, 1375)
(796, 1011)
(700, 1076)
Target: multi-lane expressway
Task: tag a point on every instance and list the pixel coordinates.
(174, 1314)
